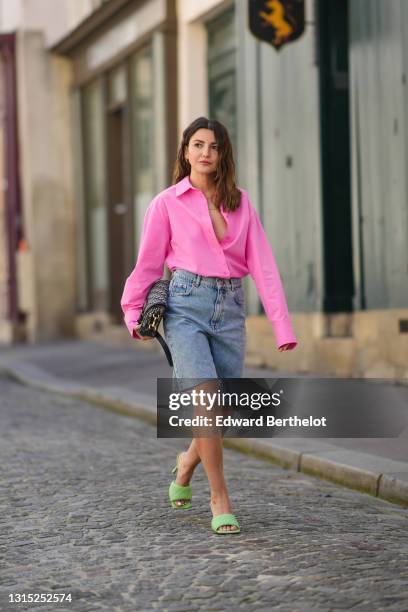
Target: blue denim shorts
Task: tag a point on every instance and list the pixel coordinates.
(204, 326)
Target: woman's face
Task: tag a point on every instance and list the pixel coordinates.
(202, 151)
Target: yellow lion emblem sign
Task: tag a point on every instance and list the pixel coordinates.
(277, 21)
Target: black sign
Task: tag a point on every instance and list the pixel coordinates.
(277, 21)
(281, 407)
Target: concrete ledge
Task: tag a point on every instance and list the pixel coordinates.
(332, 468)
(285, 457)
(394, 487)
(350, 468)
(288, 458)
(123, 401)
(285, 452)
(377, 476)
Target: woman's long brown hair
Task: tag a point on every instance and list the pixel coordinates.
(226, 191)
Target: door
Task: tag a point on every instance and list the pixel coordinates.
(332, 19)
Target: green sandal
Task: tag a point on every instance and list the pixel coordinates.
(224, 519)
(177, 492)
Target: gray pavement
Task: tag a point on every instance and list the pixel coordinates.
(84, 510)
(125, 378)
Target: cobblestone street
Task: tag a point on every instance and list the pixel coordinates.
(84, 510)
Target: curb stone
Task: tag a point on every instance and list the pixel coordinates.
(378, 476)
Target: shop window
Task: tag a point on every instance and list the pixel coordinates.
(142, 133)
(221, 58)
(117, 86)
(95, 193)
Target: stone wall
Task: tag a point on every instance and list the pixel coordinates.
(366, 344)
(47, 181)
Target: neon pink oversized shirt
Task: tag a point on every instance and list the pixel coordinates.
(178, 231)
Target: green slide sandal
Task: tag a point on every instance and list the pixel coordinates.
(177, 492)
(224, 519)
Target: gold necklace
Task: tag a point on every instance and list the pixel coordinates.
(210, 201)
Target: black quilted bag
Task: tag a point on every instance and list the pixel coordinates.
(152, 313)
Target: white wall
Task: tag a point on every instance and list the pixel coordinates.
(47, 16)
(47, 185)
(192, 57)
(10, 15)
(55, 18)
(379, 130)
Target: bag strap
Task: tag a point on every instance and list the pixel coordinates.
(165, 348)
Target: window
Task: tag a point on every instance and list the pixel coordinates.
(95, 190)
(142, 133)
(221, 71)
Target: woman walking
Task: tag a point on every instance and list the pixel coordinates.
(209, 235)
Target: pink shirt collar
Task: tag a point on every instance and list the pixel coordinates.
(183, 185)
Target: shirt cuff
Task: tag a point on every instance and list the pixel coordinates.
(131, 319)
(284, 333)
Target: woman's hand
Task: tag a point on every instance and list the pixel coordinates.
(136, 329)
(286, 347)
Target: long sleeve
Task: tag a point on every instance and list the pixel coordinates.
(154, 245)
(264, 271)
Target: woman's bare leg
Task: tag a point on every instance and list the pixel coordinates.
(188, 462)
(209, 451)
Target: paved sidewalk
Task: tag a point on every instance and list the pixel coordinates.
(84, 511)
(125, 379)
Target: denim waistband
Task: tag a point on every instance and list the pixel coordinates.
(209, 281)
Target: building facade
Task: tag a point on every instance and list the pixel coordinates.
(307, 157)
(319, 131)
(124, 95)
(95, 118)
